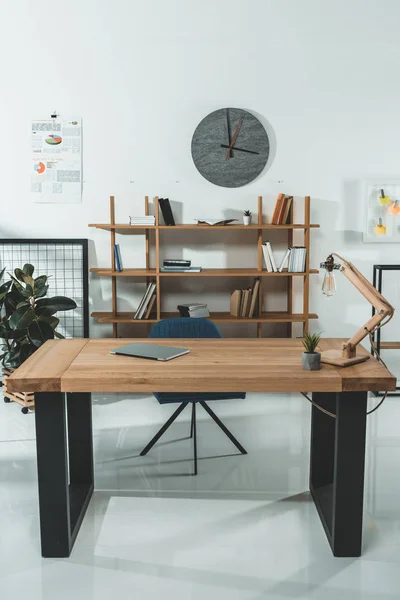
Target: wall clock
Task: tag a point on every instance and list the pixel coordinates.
(230, 147)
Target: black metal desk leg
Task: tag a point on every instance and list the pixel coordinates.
(51, 445)
(80, 445)
(337, 468)
(63, 496)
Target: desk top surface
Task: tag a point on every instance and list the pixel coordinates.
(228, 365)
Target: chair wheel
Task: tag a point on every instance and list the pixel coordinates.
(24, 410)
(6, 400)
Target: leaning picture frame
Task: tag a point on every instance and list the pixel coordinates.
(382, 210)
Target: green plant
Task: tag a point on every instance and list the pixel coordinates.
(26, 317)
(311, 341)
(247, 213)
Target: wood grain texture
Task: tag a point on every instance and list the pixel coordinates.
(43, 370)
(204, 273)
(253, 365)
(109, 226)
(220, 317)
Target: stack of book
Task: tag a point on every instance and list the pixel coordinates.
(178, 265)
(281, 213)
(297, 259)
(294, 258)
(147, 220)
(244, 303)
(196, 311)
(147, 302)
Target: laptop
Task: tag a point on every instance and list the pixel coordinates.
(150, 351)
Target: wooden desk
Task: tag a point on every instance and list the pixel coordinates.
(63, 373)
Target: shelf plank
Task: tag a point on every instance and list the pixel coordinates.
(204, 273)
(390, 345)
(109, 227)
(221, 317)
(125, 273)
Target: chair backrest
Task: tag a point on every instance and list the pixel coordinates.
(185, 328)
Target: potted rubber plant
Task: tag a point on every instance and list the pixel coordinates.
(311, 359)
(247, 217)
(27, 317)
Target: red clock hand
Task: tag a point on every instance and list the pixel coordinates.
(234, 137)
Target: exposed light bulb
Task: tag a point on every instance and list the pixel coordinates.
(329, 284)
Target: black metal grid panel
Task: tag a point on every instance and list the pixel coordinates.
(377, 283)
(65, 261)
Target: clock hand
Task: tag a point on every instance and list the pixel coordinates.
(239, 149)
(229, 130)
(234, 136)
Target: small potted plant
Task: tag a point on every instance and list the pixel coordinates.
(247, 217)
(311, 360)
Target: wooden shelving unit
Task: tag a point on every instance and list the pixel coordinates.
(153, 272)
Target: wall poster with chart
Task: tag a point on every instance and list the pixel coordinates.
(56, 169)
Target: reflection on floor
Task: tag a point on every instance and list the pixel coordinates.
(243, 529)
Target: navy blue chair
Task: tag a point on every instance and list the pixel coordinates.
(190, 328)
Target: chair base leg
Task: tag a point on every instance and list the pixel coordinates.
(223, 427)
(194, 429)
(163, 429)
(193, 419)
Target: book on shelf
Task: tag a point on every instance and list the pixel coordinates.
(269, 257)
(286, 211)
(166, 211)
(253, 310)
(144, 303)
(281, 213)
(176, 262)
(278, 207)
(297, 259)
(285, 260)
(235, 303)
(180, 269)
(118, 259)
(243, 303)
(150, 306)
(246, 302)
(215, 221)
(148, 220)
(193, 310)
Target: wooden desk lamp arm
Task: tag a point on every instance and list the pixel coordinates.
(384, 310)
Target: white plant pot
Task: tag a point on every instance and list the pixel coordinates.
(246, 220)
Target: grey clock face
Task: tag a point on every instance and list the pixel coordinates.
(230, 147)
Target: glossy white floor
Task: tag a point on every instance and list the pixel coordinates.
(244, 529)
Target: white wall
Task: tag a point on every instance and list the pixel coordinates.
(143, 74)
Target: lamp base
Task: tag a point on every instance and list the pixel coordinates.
(334, 357)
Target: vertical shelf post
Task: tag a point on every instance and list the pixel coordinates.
(289, 328)
(113, 278)
(259, 266)
(158, 279)
(306, 286)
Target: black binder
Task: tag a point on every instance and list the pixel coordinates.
(166, 211)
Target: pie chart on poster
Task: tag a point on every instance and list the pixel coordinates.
(54, 139)
(39, 167)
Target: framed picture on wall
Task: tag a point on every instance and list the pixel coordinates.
(382, 211)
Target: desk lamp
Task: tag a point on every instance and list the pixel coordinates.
(383, 311)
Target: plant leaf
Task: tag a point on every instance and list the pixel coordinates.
(28, 269)
(59, 335)
(23, 304)
(57, 302)
(2, 273)
(39, 332)
(41, 290)
(52, 321)
(19, 274)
